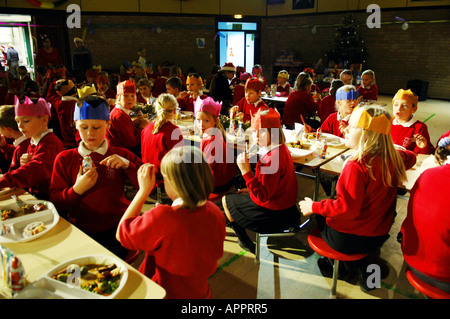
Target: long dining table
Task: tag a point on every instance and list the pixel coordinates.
(65, 242)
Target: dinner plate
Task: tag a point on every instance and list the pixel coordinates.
(332, 140)
(15, 226)
(399, 147)
(48, 288)
(299, 153)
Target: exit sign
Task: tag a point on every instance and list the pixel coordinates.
(237, 26)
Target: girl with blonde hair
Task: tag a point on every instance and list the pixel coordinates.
(183, 242)
(359, 219)
(161, 135)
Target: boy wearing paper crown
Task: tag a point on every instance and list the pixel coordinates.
(92, 195)
(283, 85)
(123, 131)
(194, 85)
(213, 144)
(36, 165)
(257, 73)
(269, 202)
(249, 105)
(407, 131)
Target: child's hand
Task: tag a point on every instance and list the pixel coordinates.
(421, 141)
(306, 206)
(25, 158)
(85, 181)
(307, 128)
(243, 163)
(342, 126)
(146, 178)
(235, 109)
(114, 161)
(183, 94)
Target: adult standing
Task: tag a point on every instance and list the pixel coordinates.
(81, 60)
(12, 58)
(48, 56)
(2, 58)
(220, 89)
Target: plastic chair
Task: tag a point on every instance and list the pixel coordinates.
(318, 244)
(426, 289)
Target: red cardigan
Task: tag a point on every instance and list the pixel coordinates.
(182, 247)
(426, 228)
(403, 136)
(298, 103)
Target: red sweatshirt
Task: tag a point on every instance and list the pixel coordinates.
(122, 132)
(182, 247)
(102, 206)
(13, 152)
(65, 107)
(250, 109)
(298, 103)
(326, 107)
(403, 135)
(368, 93)
(274, 184)
(426, 228)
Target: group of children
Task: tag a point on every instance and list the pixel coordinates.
(86, 181)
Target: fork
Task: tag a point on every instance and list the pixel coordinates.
(19, 202)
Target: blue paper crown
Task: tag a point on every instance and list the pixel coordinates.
(444, 142)
(350, 95)
(88, 112)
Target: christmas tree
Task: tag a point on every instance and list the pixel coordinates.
(349, 48)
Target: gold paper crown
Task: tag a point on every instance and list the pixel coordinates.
(86, 90)
(380, 124)
(407, 95)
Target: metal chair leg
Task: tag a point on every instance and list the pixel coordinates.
(335, 277)
(258, 245)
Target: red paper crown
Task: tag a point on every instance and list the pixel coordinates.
(254, 84)
(126, 87)
(266, 118)
(28, 108)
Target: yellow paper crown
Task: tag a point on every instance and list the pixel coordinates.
(407, 95)
(86, 90)
(380, 124)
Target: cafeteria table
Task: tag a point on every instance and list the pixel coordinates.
(65, 242)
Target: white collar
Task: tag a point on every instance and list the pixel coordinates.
(407, 124)
(283, 85)
(36, 142)
(19, 140)
(120, 107)
(178, 202)
(102, 149)
(68, 98)
(339, 117)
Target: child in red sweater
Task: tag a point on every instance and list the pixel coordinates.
(64, 104)
(36, 164)
(183, 242)
(283, 86)
(144, 95)
(359, 219)
(268, 204)
(214, 145)
(257, 73)
(124, 131)
(368, 90)
(194, 85)
(407, 131)
(92, 196)
(248, 106)
(328, 104)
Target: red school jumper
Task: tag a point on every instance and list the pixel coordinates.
(327, 107)
(426, 228)
(102, 206)
(188, 102)
(403, 135)
(298, 103)
(122, 132)
(331, 124)
(250, 108)
(182, 247)
(368, 93)
(13, 152)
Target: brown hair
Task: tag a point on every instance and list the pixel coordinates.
(302, 81)
(7, 117)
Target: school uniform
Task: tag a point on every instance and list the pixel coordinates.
(327, 107)
(298, 103)
(238, 93)
(155, 146)
(122, 132)
(250, 109)
(331, 124)
(224, 169)
(35, 175)
(425, 243)
(65, 107)
(159, 86)
(284, 89)
(110, 94)
(182, 246)
(13, 152)
(403, 135)
(446, 134)
(101, 207)
(369, 93)
(188, 102)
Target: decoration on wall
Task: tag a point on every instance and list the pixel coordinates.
(405, 24)
(200, 43)
(47, 5)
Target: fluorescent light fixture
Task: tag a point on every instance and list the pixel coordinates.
(238, 16)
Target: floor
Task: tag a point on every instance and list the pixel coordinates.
(288, 267)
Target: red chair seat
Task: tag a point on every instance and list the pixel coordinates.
(319, 245)
(427, 289)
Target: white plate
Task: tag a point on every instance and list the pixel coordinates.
(399, 147)
(332, 140)
(48, 288)
(299, 153)
(16, 225)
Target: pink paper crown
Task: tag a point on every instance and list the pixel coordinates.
(207, 105)
(28, 108)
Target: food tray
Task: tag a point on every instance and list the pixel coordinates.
(15, 225)
(48, 288)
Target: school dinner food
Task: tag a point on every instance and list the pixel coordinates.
(33, 228)
(298, 144)
(27, 209)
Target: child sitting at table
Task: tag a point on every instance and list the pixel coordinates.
(346, 76)
(144, 94)
(268, 204)
(174, 86)
(182, 242)
(87, 184)
(104, 90)
(248, 106)
(407, 131)
(359, 219)
(36, 164)
(194, 85)
(257, 73)
(124, 131)
(10, 130)
(214, 145)
(283, 86)
(327, 105)
(161, 135)
(368, 90)
(239, 89)
(65, 105)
